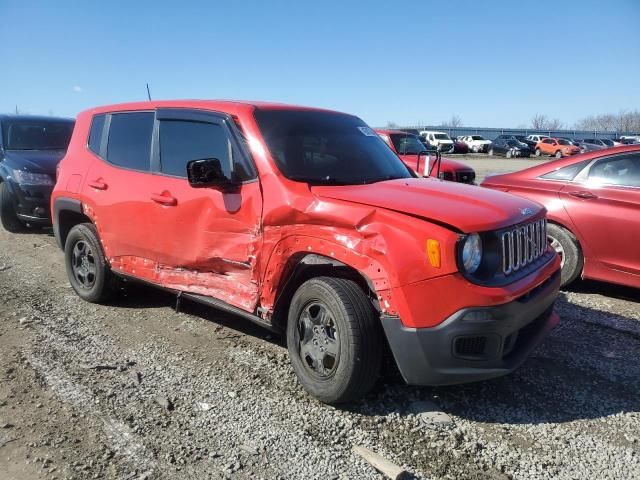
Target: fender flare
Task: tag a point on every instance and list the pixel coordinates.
(63, 204)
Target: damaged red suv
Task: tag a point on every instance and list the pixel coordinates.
(304, 221)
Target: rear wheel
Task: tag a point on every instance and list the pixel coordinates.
(87, 268)
(334, 339)
(508, 154)
(490, 152)
(8, 216)
(558, 154)
(566, 246)
(538, 152)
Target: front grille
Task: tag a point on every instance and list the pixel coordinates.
(465, 177)
(523, 245)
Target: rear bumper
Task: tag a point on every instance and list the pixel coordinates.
(462, 349)
(32, 202)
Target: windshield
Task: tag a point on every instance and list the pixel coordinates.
(513, 143)
(441, 136)
(562, 141)
(477, 137)
(19, 134)
(407, 144)
(607, 142)
(327, 148)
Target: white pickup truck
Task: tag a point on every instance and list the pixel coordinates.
(476, 143)
(439, 140)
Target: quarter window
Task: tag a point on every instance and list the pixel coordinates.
(567, 173)
(95, 135)
(184, 141)
(129, 142)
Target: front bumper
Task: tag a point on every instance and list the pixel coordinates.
(32, 202)
(461, 350)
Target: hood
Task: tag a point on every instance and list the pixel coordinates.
(465, 208)
(37, 161)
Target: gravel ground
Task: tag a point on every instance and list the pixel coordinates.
(134, 390)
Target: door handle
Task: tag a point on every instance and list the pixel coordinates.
(98, 184)
(583, 194)
(164, 199)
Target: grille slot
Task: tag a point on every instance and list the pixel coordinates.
(523, 245)
(470, 346)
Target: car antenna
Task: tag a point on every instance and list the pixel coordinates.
(148, 93)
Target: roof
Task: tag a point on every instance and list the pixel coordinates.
(229, 106)
(38, 118)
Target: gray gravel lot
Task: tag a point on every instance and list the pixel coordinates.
(134, 390)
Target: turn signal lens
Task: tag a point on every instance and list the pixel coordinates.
(433, 252)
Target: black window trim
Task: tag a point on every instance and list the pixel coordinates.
(203, 116)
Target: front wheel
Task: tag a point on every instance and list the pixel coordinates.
(334, 339)
(508, 154)
(538, 152)
(566, 246)
(558, 154)
(8, 216)
(87, 268)
(490, 152)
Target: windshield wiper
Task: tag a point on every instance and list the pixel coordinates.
(385, 178)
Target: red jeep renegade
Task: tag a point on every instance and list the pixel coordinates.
(304, 221)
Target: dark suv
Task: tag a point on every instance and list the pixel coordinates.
(30, 149)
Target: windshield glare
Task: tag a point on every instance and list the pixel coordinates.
(562, 141)
(36, 134)
(327, 148)
(407, 144)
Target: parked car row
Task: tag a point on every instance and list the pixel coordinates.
(509, 145)
(344, 239)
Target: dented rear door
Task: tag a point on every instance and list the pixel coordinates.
(205, 240)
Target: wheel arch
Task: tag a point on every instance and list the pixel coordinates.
(67, 213)
(303, 266)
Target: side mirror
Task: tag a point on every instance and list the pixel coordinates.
(207, 172)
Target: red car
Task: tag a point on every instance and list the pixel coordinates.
(304, 221)
(413, 153)
(593, 204)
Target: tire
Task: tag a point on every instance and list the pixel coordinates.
(538, 152)
(490, 152)
(87, 268)
(8, 216)
(566, 245)
(558, 154)
(334, 314)
(508, 154)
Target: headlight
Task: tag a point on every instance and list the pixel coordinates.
(472, 253)
(28, 178)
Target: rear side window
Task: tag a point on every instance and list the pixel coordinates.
(95, 135)
(567, 173)
(129, 142)
(184, 141)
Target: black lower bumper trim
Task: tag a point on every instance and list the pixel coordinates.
(474, 343)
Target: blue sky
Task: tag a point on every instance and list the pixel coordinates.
(493, 63)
